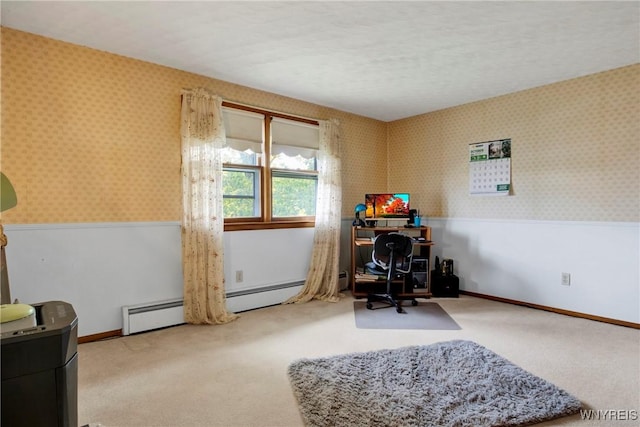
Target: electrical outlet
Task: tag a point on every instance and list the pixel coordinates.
(239, 276)
(566, 279)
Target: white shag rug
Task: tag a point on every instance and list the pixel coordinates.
(454, 383)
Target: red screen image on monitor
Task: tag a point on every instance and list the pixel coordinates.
(387, 205)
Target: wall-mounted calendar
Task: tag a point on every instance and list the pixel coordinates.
(490, 167)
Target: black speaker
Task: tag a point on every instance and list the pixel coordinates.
(412, 216)
(444, 286)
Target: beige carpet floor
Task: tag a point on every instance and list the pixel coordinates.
(235, 374)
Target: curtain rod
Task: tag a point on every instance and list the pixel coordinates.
(263, 111)
(268, 112)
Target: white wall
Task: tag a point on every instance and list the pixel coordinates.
(524, 260)
(98, 268)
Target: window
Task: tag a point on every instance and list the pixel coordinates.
(270, 168)
(241, 188)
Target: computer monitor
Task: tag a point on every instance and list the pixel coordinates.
(387, 205)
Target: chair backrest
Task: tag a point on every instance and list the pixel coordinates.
(402, 246)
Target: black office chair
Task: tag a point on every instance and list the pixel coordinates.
(392, 252)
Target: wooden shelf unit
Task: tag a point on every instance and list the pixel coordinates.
(361, 246)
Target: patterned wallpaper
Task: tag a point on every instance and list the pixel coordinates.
(89, 136)
(575, 152)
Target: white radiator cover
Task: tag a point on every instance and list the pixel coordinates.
(154, 315)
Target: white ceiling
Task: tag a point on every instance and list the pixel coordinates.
(384, 60)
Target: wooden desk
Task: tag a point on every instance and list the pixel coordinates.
(361, 247)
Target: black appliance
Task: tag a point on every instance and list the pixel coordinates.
(40, 369)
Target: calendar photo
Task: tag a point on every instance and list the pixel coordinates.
(490, 167)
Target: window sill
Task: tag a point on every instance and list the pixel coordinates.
(239, 226)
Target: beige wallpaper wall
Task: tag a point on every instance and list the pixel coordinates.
(575, 152)
(89, 136)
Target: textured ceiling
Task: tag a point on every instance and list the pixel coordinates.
(384, 60)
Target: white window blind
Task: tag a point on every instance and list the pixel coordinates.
(244, 129)
(294, 138)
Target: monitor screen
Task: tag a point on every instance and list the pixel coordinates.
(387, 205)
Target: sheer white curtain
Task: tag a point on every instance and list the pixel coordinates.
(202, 131)
(322, 279)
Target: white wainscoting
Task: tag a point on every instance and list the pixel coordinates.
(524, 261)
(266, 257)
(98, 268)
(101, 267)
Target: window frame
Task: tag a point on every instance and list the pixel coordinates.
(266, 220)
(259, 176)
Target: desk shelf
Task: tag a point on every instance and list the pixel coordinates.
(361, 247)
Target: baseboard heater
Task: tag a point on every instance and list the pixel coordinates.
(153, 315)
(162, 314)
(343, 280)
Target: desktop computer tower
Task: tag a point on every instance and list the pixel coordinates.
(419, 271)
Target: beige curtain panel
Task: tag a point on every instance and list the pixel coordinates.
(322, 279)
(203, 135)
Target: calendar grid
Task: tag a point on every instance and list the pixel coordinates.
(490, 167)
